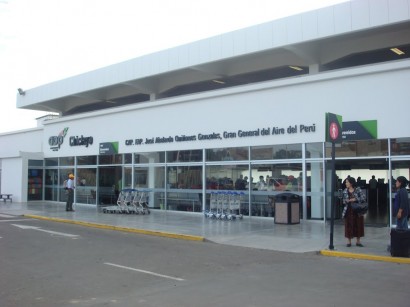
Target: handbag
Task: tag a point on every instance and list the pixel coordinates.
(360, 208)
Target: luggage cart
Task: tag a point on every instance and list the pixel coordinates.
(219, 205)
(124, 203)
(140, 202)
(235, 206)
(225, 205)
(213, 206)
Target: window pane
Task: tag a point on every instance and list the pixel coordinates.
(67, 161)
(51, 187)
(35, 162)
(184, 156)
(314, 190)
(110, 159)
(87, 160)
(185, 177)
(127, 178)
(275, 152)
(400, 147)
(271, 180)
(128, 158)
(149, 157)
(35, 184)
(51, 161)
(227, 177)
(183, 201)
(227, 154)
(86, 185)
(149, 177)
(314, 150)
(363, 148)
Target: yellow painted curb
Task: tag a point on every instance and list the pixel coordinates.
(118, 228)
(365, 257)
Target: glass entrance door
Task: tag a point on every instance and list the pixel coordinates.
(376, 191)
(109, 184)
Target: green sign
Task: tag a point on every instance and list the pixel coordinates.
(109, 148)
(359, 130)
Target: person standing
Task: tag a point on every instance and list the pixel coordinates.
(373, 194)
(354, 223)
(70, 193)
(401, 203)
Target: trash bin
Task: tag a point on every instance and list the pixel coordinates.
(287, 210)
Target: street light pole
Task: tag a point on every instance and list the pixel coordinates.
(332, 201)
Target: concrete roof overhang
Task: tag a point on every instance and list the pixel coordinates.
(130, 82)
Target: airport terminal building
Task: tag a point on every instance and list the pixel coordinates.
(242, 112)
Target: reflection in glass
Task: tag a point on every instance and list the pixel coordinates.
(275, 152)
(227, 154)
(35, 162)
(86, 186)
(51, 184)
(227, 177)
(314, 150)
(184, 156)
(66, 161)
(269, 181)
(314, 190)
(149, 177)
(51, 161)
(87, 160)
(149, 157)
(110, 159)
(35, 184)
(128, 158)
(184, 177)
(364, 148)
(190, 201)
(400, 147)
(127, 178)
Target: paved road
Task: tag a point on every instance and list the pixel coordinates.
(51, 264)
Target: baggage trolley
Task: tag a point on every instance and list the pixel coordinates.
(140, 202)
(213, 205)
(235, 205)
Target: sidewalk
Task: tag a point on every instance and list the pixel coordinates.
(262, 233)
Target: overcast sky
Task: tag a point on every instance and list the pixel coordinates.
(42, 41)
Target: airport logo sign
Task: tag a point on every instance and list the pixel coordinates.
(56, 141)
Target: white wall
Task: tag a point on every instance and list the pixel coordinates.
(13, 143)
(377, 92)
(12, 181)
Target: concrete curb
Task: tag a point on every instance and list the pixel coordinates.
(119, 228)
(364, 257)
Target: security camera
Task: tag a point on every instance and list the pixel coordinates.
(21, 92)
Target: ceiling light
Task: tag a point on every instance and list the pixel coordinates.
(397, 51)
(218, 81)
(296, 68)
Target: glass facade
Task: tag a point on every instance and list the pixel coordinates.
(185, 180)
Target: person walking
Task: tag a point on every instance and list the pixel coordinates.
(401, 203)
(354, 223)
(70, 193)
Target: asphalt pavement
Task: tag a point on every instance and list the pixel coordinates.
(254, 232)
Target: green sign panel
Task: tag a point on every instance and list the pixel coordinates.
(359, 130)
(109, 148)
